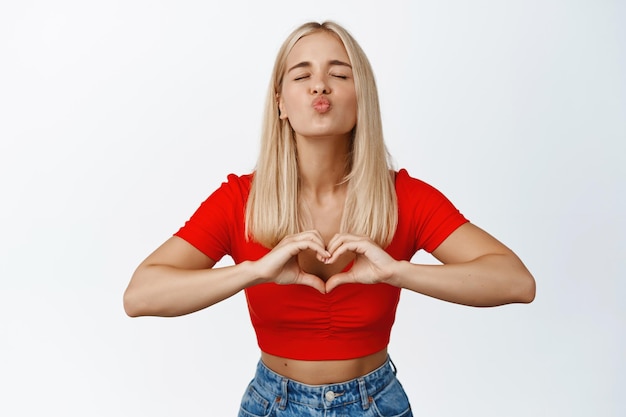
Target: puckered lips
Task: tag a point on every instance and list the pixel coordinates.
(321, 104)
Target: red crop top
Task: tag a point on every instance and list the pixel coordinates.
(298, 322)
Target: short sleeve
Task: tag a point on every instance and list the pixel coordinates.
(219, 219)
(428, 214)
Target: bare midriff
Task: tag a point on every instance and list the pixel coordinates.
(324, 372)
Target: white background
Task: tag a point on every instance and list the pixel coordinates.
(118, 118)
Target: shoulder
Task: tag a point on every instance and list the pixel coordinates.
(413, 193)
(233, 191)
(236, 185)
(425, 211)
(408, 186)
(239, 180)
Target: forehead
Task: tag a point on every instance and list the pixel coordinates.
(322, 46)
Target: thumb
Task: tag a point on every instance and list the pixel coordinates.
(312, 281)
(337, 280)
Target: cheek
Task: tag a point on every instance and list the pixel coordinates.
(288, 103)
(351, 102)
(352, 109)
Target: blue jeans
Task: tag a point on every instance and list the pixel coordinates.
(377, 394)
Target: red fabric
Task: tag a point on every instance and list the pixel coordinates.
(298, 322)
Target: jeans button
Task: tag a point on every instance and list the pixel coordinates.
(329, 396)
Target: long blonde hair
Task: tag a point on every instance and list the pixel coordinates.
(370, 209)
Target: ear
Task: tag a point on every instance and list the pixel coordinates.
(282, 113)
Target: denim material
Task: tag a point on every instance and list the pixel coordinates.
(377, 394)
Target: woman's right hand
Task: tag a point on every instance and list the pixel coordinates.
(281, 266)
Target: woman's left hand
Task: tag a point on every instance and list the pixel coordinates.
(372, 265)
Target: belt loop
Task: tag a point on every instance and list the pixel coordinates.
(365, 399)
(282, 404)
(393, 366)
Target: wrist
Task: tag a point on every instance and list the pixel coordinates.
(250, 270)
(398, 274)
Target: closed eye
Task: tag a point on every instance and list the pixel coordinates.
(343, 77)
(301, 77)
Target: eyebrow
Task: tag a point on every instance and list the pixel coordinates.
(332, 62)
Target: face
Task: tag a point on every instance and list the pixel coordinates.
(318, 95)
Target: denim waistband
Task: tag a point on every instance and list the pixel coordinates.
(360, 389)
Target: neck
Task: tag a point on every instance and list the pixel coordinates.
(322, 164)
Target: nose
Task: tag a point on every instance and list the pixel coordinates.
(319, 85)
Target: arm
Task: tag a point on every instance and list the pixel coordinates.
(477, 269)
(178, 279)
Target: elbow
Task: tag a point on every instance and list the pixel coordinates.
(525, 290)
(132, 306)
(136, 300)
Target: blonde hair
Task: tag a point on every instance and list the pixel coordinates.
(370, 209)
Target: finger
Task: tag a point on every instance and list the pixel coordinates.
(315, 233)
(358, 246)
(303, 245)
(311, 239)
(343, 238)
(294, 245)
(337, 241)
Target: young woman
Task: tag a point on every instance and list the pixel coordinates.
(322, 234)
